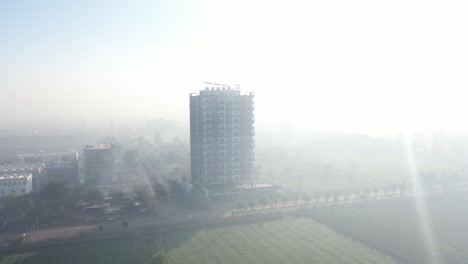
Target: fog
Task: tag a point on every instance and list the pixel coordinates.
(367, 67)
(356, 153)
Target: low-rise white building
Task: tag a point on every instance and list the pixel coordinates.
(15, 184)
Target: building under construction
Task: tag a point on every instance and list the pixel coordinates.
(222, 136)
(98, 164)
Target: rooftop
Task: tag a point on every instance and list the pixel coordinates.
(14, 176)
(99, 146)
(21, 167)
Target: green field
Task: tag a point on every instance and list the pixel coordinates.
(113, 251)
(292, 240)
(394, 227)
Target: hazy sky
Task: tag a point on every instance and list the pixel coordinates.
(353, 65)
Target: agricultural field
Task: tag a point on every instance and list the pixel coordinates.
(112, 251)
(291, 240)
(395, 228)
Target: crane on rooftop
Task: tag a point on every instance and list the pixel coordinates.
(218, 84)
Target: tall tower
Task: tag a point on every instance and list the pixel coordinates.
(222, 136)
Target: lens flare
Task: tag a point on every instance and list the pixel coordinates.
(421, 205)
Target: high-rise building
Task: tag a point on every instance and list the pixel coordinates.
(222, 136)
(98, 164)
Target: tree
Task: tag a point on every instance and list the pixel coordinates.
(240, 205)
(284, 198)
(263, 201)
(161, 191)
(129, 158)
(14, 206)
(251, 204)
(376, 191)
(157, 139)
(56, 197)
(95, 196)
(345, 193)
(306, 199)
(175, 188)
(317, 197)
(78, 193)
(336, 195)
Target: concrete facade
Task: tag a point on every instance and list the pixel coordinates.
(16, 184)
(222, 136)
(98, 164)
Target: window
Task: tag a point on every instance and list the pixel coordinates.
(222, 133)
(207, 114)
(221, 140)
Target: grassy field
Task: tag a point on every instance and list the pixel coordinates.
(394, 227)
(291, 240)
(114, 251)
(343, 165)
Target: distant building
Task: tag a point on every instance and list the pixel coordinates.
(15, 184)
(98, 164)
(50, 159)
(37, 170)
(61, 166)
(222, 136)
